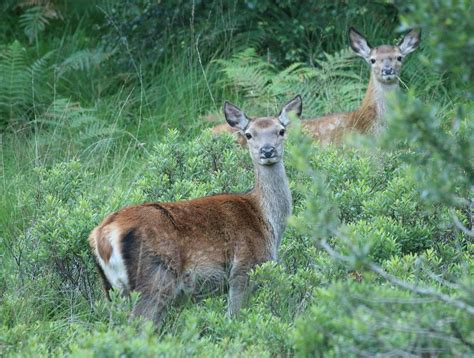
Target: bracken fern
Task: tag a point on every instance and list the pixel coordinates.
(328, 86)
(15, 94)
(83, 60)
(22, 86)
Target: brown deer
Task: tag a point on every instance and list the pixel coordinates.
(385, 62)
(162, 249)
(224, 128)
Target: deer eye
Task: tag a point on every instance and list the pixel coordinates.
(282, 132)
(399, 58)
(248, 135)
(372, 60)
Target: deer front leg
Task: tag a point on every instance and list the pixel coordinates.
(238, 282)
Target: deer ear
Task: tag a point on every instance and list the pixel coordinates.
(410, 42)
(295, 106)
(235, 117)
(359, 44)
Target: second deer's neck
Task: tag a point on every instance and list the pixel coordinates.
(273, 195)
(371, 113)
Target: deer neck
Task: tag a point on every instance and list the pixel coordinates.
(371, 114)
(273, 195)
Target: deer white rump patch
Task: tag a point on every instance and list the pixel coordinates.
(115, 270)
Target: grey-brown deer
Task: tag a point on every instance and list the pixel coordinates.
(385, 62)
(162, 249)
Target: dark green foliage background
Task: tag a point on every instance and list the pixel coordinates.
(106, 103)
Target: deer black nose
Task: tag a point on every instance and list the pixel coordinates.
(387, 71)
(267, 151)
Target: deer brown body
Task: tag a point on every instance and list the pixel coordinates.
(224, 128)
(163, 249)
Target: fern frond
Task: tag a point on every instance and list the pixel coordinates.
(39, 67)
(248, 72)
(285, 82)
(82, 123)
(33, 21)
(84, 60)
(37, 16)
(328, 87)
(73, 128)
(14, 82)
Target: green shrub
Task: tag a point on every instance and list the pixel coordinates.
(449, 28)
(366, 319)
(286, 32)
(180, 170)
(356, 207)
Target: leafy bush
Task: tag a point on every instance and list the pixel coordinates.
(285, 32)
(415, 236)
(73, 200)
(180, 170)
(353, 319)
(449, 26)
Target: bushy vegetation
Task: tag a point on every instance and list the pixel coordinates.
(101, 106)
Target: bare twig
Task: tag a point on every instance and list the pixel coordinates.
(400, 283)
(461, 226)
(421, 290)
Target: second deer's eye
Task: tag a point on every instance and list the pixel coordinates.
(399, 58)
(282, 132)
(372, 60)
(248, 135)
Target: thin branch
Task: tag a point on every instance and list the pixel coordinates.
(461, 226)
(440, 280)
(400, 283)
(421, 290)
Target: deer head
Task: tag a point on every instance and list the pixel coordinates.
(264, 135)
(385, 60)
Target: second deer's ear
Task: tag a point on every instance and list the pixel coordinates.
(295, 106)
(359, 44)
(410, 42)
(235, 117)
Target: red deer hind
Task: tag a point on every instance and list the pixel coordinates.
(385, 62)
(162, 249)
